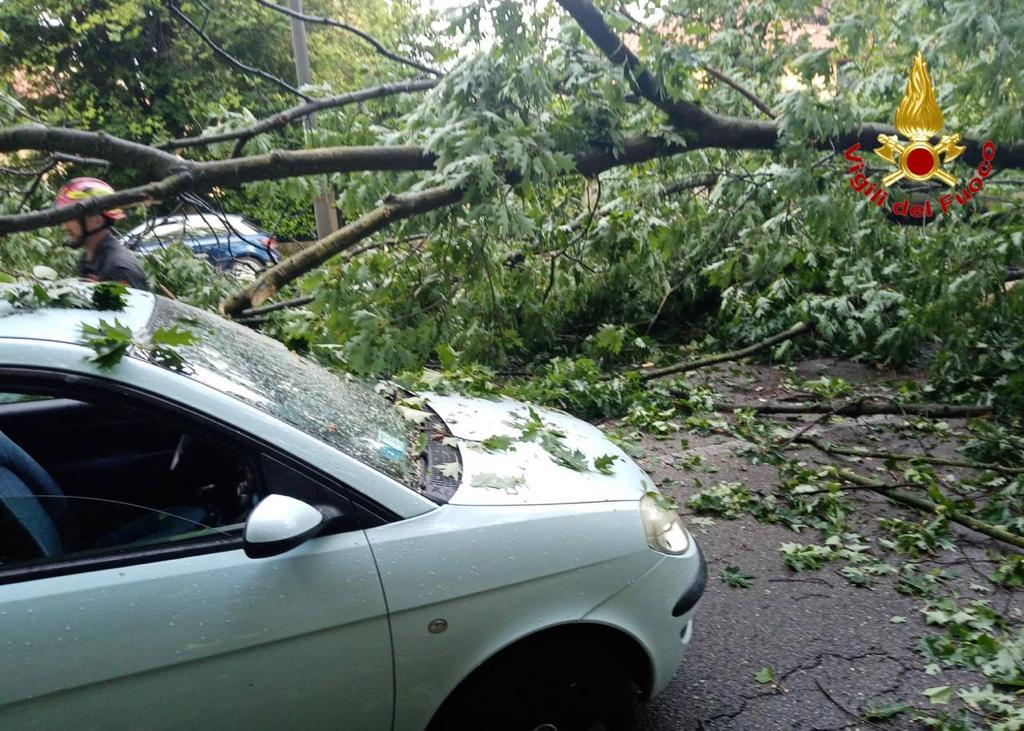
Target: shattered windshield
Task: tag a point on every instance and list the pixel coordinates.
(345, 413)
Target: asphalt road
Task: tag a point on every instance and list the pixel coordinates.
(831, 645)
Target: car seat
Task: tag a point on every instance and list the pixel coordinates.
(41, 509)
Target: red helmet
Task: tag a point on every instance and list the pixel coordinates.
(80, 189)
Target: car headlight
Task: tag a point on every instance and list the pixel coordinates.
(665, 532)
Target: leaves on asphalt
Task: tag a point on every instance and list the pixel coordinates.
(737, 577)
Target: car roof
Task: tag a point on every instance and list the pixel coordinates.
(64, 324)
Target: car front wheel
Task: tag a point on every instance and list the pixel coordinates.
(564, 689)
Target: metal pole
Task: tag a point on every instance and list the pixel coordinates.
(326, 216)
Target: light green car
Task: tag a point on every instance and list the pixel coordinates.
(224, 535)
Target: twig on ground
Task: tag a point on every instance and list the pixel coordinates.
(841, 707)
(814, 422)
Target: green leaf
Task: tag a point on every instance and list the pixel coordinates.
(448, 357)
(416, 416)
(109, 296)
(497, 443)
(110, 342)
(507, 483)
(764, 676)
(879, 713)
(603, 464)
(939, 695)
(172, 336)
(734, 576)
(41, 271)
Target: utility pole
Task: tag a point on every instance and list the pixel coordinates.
(323, 208)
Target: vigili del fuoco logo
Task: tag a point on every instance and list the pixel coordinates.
(919, 119)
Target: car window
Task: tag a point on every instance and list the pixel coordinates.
(346, 413)
(82, 480)
(167, 231)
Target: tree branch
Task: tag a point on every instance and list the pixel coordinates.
(287, 116)
(377, 45)
(798, 329)
(297, 302)
(702, 128)
(697, 181)
(99, 146)
(934, 411)
(394, 208)
(901, 457)
(251, 70)
(188, 176)
(203, 176)
(744, 91)
(993, 531)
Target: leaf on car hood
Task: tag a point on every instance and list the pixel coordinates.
(508, 483)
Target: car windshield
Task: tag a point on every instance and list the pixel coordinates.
(346, 413)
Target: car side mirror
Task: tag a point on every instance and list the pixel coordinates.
(279, 523)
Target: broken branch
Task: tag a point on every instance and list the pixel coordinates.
(792, 332)
(282, 118)
(744, 91)
(934, 411)
(988, 529)
(902, 457)
(394, 208)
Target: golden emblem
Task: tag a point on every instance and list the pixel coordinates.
(919, 119)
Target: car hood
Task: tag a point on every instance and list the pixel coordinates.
(525, 473)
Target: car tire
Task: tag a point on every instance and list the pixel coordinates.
(564, 688)
(245, 268)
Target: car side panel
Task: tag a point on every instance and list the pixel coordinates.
(206, 642)
(644, 609)
(495, 575)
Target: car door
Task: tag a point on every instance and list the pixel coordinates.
(190, 633)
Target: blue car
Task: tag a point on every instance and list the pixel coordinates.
(230, 242)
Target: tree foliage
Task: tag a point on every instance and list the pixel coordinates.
(535, 261)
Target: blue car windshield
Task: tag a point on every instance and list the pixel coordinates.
(346, 413)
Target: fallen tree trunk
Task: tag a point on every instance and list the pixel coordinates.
(865, 408)
(988, 529)
(792, 332)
